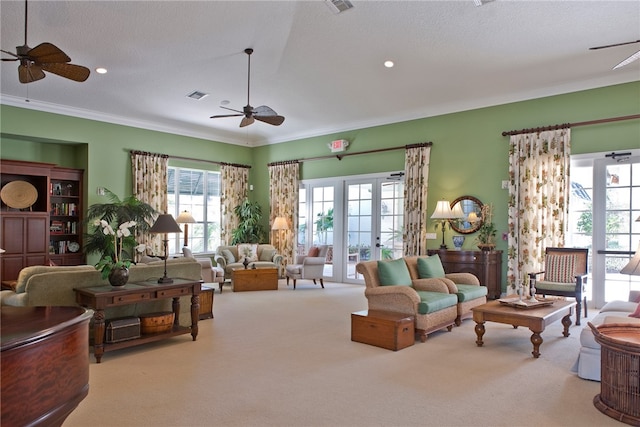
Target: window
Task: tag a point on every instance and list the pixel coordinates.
(196, 191)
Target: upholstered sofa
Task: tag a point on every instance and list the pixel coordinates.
(229, 258)
(588, 364)
(53, 286)
(436, 302)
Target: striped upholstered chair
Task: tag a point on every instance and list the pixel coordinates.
(565, 274)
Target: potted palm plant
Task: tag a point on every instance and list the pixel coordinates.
(250, 229)
(487, 231)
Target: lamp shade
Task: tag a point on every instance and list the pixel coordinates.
(443, 211)
(633, 267)
(185, 217)
(280, 223)
(165, 224)
(457, 211)
(473, 217)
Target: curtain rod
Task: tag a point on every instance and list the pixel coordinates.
(570, 125)
(341, 156)
(213, 162)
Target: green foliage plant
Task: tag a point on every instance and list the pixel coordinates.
(250, 229)
(116, 213)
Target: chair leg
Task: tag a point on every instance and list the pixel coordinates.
(294, 284)
(585, 306)
(314, 282)
(578, 308)
(287, 280)
(322, 283)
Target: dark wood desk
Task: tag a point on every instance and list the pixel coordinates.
(45, 363)
(101, 297)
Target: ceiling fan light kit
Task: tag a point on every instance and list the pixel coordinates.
(44, 57)
(262, 113)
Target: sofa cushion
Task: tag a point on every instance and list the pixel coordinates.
(429, 267)
(314, 251)
(228, 256)
(267, 254)
(27, 272)
(470, 292)
(619, 306)
(560, 268)
(394, 273)
(146, 259)
(435, 301)
(248, 251)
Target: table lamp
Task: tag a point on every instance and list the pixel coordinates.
(633, 267)
(444, 213)
(185, 218)
(165, 224)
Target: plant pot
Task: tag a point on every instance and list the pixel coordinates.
(119, 276)
(486, 246)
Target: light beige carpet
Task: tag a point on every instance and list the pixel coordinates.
(285, 358)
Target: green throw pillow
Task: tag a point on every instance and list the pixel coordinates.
(429, 267)
(394, 273)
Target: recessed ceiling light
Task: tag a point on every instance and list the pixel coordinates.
(225, 102)
(101, 70)
(388, 64)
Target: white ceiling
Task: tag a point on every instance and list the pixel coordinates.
(324, 72)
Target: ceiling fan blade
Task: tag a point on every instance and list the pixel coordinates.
(272, 120)
(46, 53)
(613, 45)
(30, 73)
(263, 110)
(73, 72)
(629, 60)
(246, 121)
(225, 115)
(230, 109)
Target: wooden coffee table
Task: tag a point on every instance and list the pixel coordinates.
(255, 279)
(536, 319)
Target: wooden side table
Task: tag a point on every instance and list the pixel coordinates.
(101, 297)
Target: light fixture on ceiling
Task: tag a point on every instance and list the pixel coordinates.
(389, 64)
(101, 70)
(338, 6)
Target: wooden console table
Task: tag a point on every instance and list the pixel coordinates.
(101, 297)
(485, 265)
(45, 363)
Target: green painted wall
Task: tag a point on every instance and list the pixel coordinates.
(469, 154)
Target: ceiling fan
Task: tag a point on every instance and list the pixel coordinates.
(629, 60)
(262, 113)
(44, 57)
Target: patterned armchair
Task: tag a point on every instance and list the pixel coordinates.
(310, 266)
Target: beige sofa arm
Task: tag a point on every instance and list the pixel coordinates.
(401, 299)
(432, 285)
(463, 278)
(221, 261)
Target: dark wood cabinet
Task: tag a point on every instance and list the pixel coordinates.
(50, 230)
(485, 265)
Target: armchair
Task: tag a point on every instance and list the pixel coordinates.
(310, 266)
(565, 275)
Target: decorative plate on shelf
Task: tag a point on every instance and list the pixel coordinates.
(74, 247)
(19, 194)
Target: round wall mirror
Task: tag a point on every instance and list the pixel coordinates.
(472, 210)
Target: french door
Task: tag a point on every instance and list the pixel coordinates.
(360, 218)
(604, 205)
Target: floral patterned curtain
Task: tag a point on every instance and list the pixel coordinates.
(233, 187)
(284, 193)
(149, 172)
(416, 182)
(538, 200)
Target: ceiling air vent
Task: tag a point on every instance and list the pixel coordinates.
(338, 6)
(197, 95)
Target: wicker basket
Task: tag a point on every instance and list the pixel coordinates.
(155, 323)
(619, 395)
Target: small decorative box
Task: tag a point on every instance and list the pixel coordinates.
(122, 329)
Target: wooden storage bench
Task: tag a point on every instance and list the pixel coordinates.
(393, 331)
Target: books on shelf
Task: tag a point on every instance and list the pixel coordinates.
(67, 209)
(63, 227)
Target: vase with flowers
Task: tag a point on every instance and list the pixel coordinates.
(114, 265)
(487, 231)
